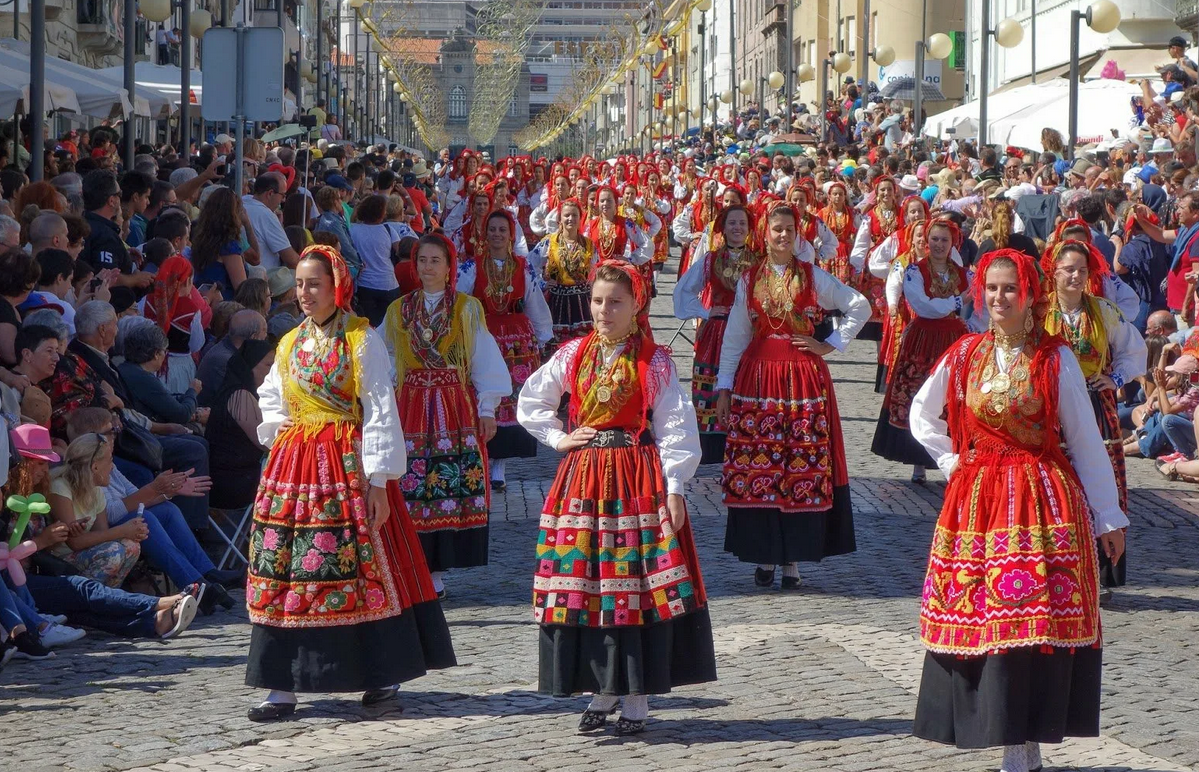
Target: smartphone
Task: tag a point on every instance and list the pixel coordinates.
(205, 288)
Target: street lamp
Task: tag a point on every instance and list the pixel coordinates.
(840, 63)
(703, 6)
(1008, 33)
(1103, 16)
(938, 46)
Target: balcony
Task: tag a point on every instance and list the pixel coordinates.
(775, 20)
(100, 27)
(1186, 13)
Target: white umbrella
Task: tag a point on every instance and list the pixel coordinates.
(93, 96)
(163, 78)
(964, 118)
(1103, 107)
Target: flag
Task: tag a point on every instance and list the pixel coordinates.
(661, 41)
(659, 70)
(659, 101)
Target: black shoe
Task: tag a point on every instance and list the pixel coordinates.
(29, 646)
(442, 593)
(626, 727)
(230, 579)
(498, 485)
(764, 578)
(594, 720)
(211, 596)
(919, 479)
(7, 652)
(271, 711)
(789, 583)
(1105, 596)
(375, 696)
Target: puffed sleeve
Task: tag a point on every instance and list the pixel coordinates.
(466, 277)
(681, 227)
(383, 454)
(737, 333)
(455, 217)
(272, 405)
(537, 220)
(537, 309)
(653, 223)
(537, 257)
(921, 303)
(861, 246)
(637, 242)
(537, 404)
(828, 242)
(882, 255)
(521, 247)
(835, 296)
(894, 287)
(488, 371)
(675, 429)
(688, 290)
(1124, 296)
(925, 421)
(1084, 445)
(1128, 351)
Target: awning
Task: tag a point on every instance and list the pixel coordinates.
(93, 95)
(1135, 62)
(14, 93)
(163, 78)
(1049, 73)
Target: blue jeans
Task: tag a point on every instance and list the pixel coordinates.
(181, 452)
(1181, 434)
(87, 602)
(15, 610)
(171, 547)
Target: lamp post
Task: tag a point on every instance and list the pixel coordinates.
(1103, 16)
(130, 80)
(789, 73)
(37, 90)
(1007, 33)
(703, 6)
(938, 46)
(840, 63)
(185, 79)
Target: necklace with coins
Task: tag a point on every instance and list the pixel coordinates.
(1002, 383)
(320, 338)
(610, 377)
(499, 277)
(432, 322)
(731, 264)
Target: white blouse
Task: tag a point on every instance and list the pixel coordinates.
(1126, 348)
(830, 294)
(689, 289)
(536, 308)
(675, 430)
(1084, 445)
(383, 454)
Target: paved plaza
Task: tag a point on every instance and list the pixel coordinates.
(823, 679)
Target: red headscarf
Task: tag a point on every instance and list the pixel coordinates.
(1032, 280)
(166, 302)
(343, 283)
(511, 226)
(767, 211)
(451, 254)
(1096, 263)
(640, 291)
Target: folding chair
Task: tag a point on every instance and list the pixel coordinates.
(680, 334)
(240, 535)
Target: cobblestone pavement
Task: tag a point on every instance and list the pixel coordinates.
(824, 679)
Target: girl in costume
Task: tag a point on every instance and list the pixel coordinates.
(517, 315)
(1010, 613)
(880, 264)
(177, 307)
(1109, 350)
(615, 236)
(569, 258)
(930, 292)
(776, 400)
(451, 378)
(631, 621)
(842, 222)
(690, 223)
(880, 222)
(338, 591)
(707, 292)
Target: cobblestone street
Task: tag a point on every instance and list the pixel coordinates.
(822, 679)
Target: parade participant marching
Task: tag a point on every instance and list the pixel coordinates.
(842, 221)
(1010, 613)
(543, 220)
(569, 258)
(1110, 353)
(338, 591)
(707, 292)
(470, 240)
(894, 250)
(615, 237)
(691, 221)
(880, 222)
(451, 378)
(628, 621)
(931, 289)
(777, 401)
(518, 317)
(811, 227)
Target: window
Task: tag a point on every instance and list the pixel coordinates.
(457, 104)
(513, 150)
(513, 107)
(851, 36)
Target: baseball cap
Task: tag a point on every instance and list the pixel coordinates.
(1184, 365)
(222, 139)
(1178, 40)
(339, 182)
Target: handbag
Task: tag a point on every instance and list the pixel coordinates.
(139, 446)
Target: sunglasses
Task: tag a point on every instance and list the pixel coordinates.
(103, 440)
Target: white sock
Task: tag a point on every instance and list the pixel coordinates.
(635, 708)
(1033, 752)
(791, 570)
(1015, 759)
(917, 470)
(497, 470)
(603, 703)
(438, 583)
(765, 566)
(277, 697)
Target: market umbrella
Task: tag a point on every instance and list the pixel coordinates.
(905, 89)
(786, 148)
(1103, 106)
(286, 131)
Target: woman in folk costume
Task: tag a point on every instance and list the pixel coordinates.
(709, 240)
(471, 239)
(517, 315)
(615, 236)
(338, 591)
(802, 196)
(451, 378)
(842, 222)
(776, 399)
(568, 258)
(753, 186)
(528, 198)
(880, 222)
(178, 308)
(1109, 351)
(1010, 610)
(544, 218)
(1102, 284)
(930, 290)
(895, 249)
(707, 292)
(655, 196)
(618, 591)
(452, 186)
(693, 219)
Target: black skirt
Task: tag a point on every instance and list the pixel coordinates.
(455, 549)
(1022, 696)
(898, 445)
(627, 660)
(871, 331)
(511, 442)
(711, 446)
(1112, 575)
(772, 537)
(351, 658)
(880, 379)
